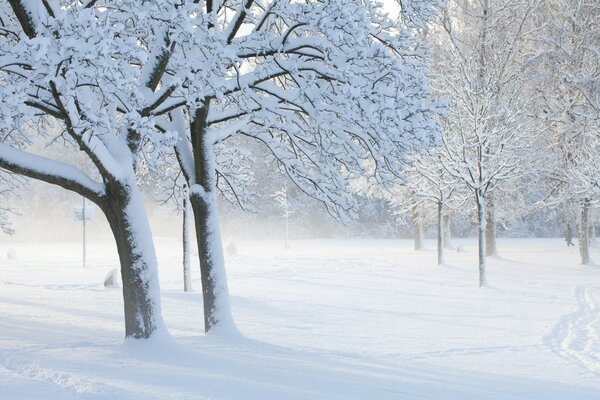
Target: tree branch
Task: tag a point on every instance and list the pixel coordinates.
(24, 17)
(51, 171)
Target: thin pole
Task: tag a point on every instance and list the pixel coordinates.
(83, 218)
(287, 226)
(187, 277)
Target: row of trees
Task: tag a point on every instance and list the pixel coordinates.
(522, 78)
(189, 97)
(137, 86)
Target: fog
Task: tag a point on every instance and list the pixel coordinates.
(45, 213)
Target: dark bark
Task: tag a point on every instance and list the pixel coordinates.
(136, 253)
(141, 311)
(161, 65)
(237, 23)
(187, 279)
(24, 17)
(14, 164)
(203, 204)
(200, 207)
(209, 296)
(584, 237)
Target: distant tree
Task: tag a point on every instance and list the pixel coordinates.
(571, 106)
(9, 189)
(431, 181)
(281, 196)
(480, 66)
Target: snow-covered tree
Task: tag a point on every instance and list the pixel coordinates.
(322, 85)
(81, 74)
(479, 67)
(570, 105)
(431, 182)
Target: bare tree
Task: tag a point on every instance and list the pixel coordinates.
(432, 182)
(480, 65)
(570, 104)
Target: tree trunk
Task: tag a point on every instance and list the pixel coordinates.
(212, 266)
(490, 232)
(440, 234)
(83, 218)
(203, 200)
(447, 231)
(187, 273)
(126, 216)
(481, 223)
(417, 229)
(592, 229)
(584, 238)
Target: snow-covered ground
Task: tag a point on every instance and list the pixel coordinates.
(327, 319)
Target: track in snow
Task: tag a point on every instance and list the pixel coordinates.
(61, 381)
(577, 335)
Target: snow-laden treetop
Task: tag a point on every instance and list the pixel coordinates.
(323, 84)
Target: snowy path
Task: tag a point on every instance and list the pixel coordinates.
(577, 335)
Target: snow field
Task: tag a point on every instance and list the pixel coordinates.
(326, 319)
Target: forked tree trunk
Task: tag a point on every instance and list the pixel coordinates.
(187, 273)
(417, 229)
(491, 248)
(481, 222)
(440, 234)
(126, 216)
(584, 238)
(447, 231)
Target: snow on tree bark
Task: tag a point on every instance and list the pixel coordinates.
(60, 68)
(490, 226)
(440, 233)
(584, 233)
(447, 231)
(187, 273)
(481, 238)
(329, 88)
(332, 89)
(127, 218)
(417, 225)
(203, 201)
